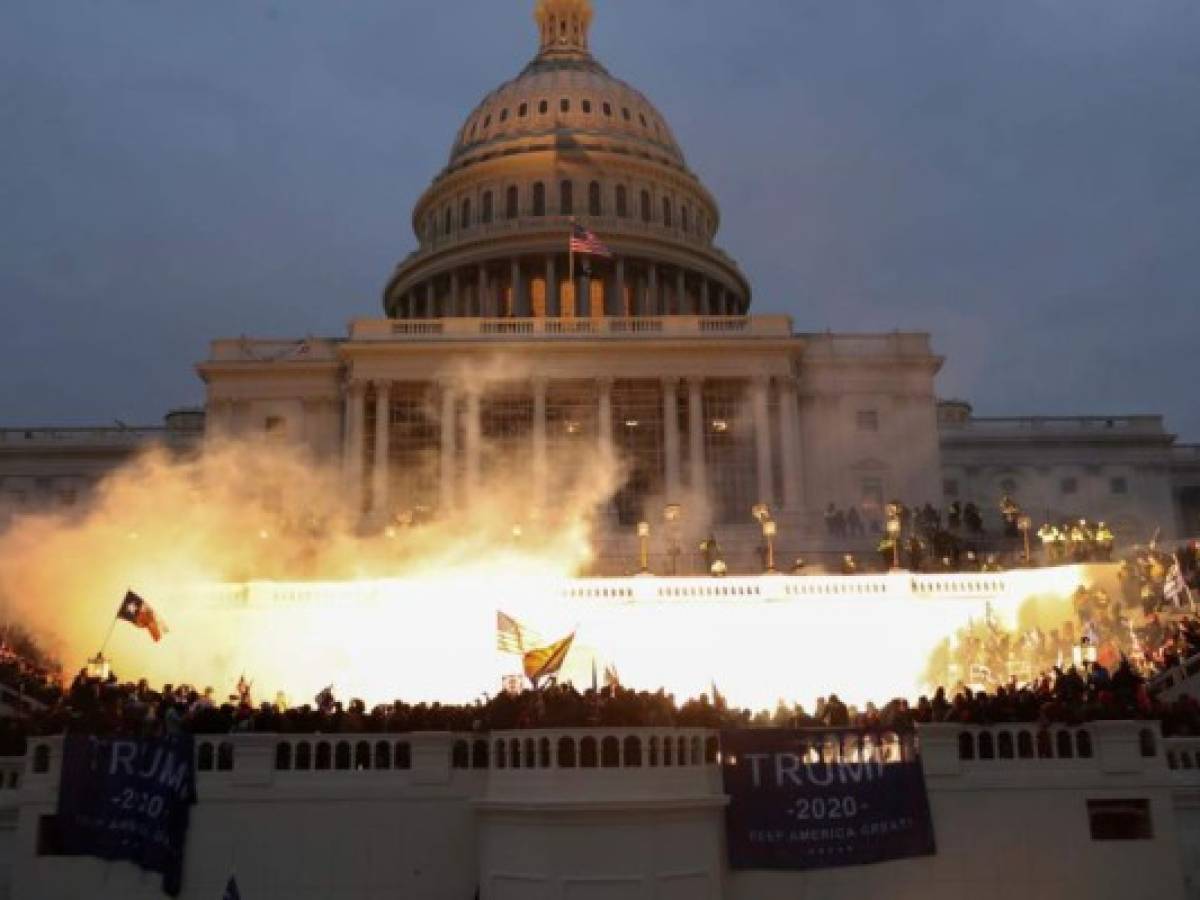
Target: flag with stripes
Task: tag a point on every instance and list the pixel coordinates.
(545, 661)
(513, 637)
(586, 243)
(1175, 588)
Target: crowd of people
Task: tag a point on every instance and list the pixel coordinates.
(955, 539)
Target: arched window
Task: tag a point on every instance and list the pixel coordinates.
(566, 198)
(622, 201)
(464, 221)
(610, 753)
(607, 107)
(539, 199)
(1024, 745)
(594, 198)
(645, 206)
(1004, 744)
(633, 751)
(711, 749)
(362, 756)
(383, 755)
(504, 114)
(587, 107)
(403, 755)
(487, 208)
(564, 104)
(966, 745)
(530, 754)
(514, 750)
(543, 107)
(479, 755)
(685, 218)
(1065, 749)
(460, 756)
(224, 757)
(341, 755)
(511, 202)
(204, 762)
(544, 753)
(566, 753)
(652, 755)
(303, 757)
(324, 755)
(1083, 744)
(447, 221)
(625, 113)
(667, 211)
(587, 753)
(283, 756)
(1044, 750)
(987, 745)
(523, 110)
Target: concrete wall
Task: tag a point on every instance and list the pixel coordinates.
(1004, 826)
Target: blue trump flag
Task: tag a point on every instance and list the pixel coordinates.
(128, 799)
(794, 804)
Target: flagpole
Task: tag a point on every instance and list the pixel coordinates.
(112, 626)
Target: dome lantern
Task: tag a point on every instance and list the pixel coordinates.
(563, 25)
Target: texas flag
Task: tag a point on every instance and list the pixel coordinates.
(140, 613)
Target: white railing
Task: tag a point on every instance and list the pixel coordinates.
(463, 328)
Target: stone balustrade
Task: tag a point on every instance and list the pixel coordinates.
(463, 328)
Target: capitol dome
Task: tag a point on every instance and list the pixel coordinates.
(565, 142)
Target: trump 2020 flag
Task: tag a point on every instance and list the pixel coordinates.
(231, 890)
(138, 612)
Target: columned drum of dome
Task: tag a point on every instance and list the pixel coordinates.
(565, 141)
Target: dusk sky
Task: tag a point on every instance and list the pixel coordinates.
(1019, 178)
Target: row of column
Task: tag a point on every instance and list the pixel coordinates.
(477, 292)
(355, 439)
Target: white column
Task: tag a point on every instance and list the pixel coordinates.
(670, 388)
(762, 439)
(473, 439)
(356, 395)
(696, 435)
(789, 432)
(604, 421)
(379, 486)
(449, 437)
(539, 443)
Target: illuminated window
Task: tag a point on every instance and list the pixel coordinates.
(729, 452)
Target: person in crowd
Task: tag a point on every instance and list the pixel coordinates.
(849, 565)
(1050, 536)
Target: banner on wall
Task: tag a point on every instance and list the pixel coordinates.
(128, 799)
(787, 810)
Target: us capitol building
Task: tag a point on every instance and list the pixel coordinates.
(496, 352)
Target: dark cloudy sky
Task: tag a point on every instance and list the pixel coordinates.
(1020, 178)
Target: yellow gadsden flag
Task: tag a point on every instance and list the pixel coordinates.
(547, 661)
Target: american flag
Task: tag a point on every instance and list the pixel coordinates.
(585, 242)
